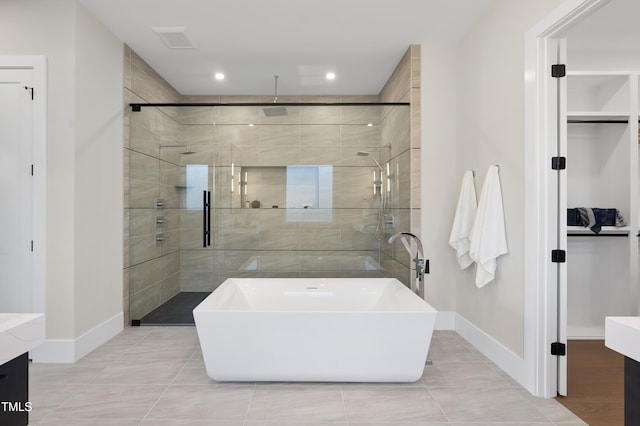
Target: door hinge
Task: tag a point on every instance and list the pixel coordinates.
(31, 89)
(558, 256)
(32, 170)
(31, 245)
(558, 70)
(558, 348)
(558, 163)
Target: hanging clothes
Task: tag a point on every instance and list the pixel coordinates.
(488, 236)
(463, 220)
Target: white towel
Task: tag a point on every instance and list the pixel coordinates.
(488, 236)
(463, 220)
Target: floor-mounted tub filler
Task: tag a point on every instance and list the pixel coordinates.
(314, 330)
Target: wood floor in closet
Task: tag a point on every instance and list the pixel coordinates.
(595, 383)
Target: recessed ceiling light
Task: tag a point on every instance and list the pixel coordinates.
(219, 76)
(331, 75)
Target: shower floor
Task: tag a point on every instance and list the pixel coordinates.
(175, 311)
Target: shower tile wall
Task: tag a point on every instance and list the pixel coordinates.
(269, 241)
(263, 242)
(403, 130)
(151, 274)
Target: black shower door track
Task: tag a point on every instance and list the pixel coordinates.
(138, 106)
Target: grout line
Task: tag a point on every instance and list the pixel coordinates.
(344, 404)
(155, 403)
(438, 403)
(167, 386)
(253, 394)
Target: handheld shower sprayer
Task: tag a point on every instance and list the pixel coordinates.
(422, 265)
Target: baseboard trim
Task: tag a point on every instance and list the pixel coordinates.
(99, 335)
(68, 351)
(497, 353)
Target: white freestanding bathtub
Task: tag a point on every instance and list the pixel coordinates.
(314, 329)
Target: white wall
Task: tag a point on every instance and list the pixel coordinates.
(98, 173)
(488, 87)
(440, 182)
(50, 32)
(590, 60)
(606, 40)
(83, 277)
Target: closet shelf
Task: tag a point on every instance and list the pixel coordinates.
(621, 231)
(597, 117)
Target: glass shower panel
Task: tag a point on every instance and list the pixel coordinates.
(248, 191)
(300, 201)
(167, 177)
(153, 266)
(197, 270)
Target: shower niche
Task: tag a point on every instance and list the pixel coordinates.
(289, 187)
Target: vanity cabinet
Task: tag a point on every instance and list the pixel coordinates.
(602, 172)
(19, 334)
(14, 392)
(622, 334)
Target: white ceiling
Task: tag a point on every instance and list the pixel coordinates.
(299, 40)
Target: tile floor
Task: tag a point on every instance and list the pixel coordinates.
(154, 376)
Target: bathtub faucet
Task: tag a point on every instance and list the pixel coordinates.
(422, 266)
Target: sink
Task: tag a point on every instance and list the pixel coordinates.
(622, 334)
(19, 333)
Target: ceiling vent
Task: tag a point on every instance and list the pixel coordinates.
(174, 37)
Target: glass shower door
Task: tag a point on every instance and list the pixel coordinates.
(189, 179)
(171, 174)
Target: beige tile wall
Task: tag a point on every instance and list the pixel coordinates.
(279, 241)
(151, 274)
(263, 242)
(404, 133)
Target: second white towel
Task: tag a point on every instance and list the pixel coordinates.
(463, 220)
(488, 236)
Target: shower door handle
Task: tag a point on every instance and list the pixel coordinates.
(206, 218)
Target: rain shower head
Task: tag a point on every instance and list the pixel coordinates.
(187, 151)
(275, 111)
